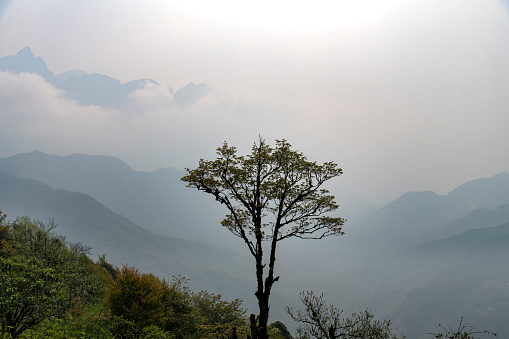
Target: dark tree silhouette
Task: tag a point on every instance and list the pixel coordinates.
(271, 194)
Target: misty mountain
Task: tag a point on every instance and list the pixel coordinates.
(101, 90)
(74, 73)
(352, 270)
(478, 241)
(94, 89)
(479, 218)
(484, 192)
(215, 268)
(26, 61)
(191, 93)
(83, 219)
(158, 200)
(405, 220)
(465, 275)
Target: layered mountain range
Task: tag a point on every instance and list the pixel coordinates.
(410, 247)
(94, 89)
(420, 260)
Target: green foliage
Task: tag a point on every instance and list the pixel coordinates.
(112, 271)
(271, 194)
(218, 317)
(29, 293)
(138, 301)
(277, 181)
(217, 311)
(81, 277)
(125, 329)
(46, 267)
(6, 249)
(320, 320)
(283, 330)
(202, 314)
(138, 298)
(61, 287)
(84, 322)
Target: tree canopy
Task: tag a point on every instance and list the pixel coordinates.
(271, 194)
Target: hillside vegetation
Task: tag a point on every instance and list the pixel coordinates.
(49, 287)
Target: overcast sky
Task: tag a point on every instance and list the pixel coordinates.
(403, 94)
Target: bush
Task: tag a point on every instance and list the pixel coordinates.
(29, 293)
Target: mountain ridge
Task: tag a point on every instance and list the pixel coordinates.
(95, 89)
(407, 218)
(157, 200)
(83, 219)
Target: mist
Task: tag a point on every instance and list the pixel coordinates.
(404, 96)
(409, 98)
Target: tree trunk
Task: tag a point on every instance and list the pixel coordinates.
(263, 318)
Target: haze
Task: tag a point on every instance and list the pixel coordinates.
(404, 95)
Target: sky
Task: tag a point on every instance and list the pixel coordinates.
(403, 95)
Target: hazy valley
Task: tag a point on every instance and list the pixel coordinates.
(420, 260)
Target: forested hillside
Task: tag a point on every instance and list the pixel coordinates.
(83, 219)
(50, 288)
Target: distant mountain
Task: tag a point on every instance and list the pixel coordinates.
(158, 200)
(472, 242)
(484, 192)
(93, 89)
(465, 275)
(479, 218)
(83, 219)
(411, 214)
(26, 61)
(436, 258)
(100, 90)
(402, 222)
(74, 73)
(191, 93)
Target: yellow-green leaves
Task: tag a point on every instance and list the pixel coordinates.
(271, 194)
(276, 184)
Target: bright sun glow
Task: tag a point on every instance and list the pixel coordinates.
(288, 15)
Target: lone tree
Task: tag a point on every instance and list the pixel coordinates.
(272, 194)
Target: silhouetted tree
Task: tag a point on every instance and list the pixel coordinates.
(323, 321)
(271, 194)
(464, 331)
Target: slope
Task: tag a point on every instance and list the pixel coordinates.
(404, 221)
(83, 219)
(157, 200)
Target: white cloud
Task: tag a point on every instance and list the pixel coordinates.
(416, 90)
(151, 133)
